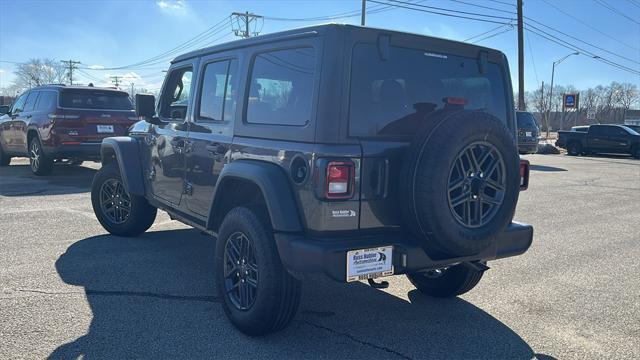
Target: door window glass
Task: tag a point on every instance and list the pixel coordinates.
(176, 94)
(29, 105)
(218, 95)
(19, 104)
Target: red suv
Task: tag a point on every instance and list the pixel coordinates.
(54, 122)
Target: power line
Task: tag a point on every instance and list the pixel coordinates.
(484, 7)
(211, 31)
(440, 13)
(635, 3)
(582, 41)
(486, 32)
(616, 11)
(492, 35)
(347, 14)
(450, 10)
(573, 47)
(502, 2)
(533, 62)
(590, 26)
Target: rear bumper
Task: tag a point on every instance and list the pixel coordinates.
(300, 254)
(84, 151)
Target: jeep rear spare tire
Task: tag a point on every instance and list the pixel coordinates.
(461, 182)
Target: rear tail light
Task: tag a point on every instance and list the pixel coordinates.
(340, 180)
(524, 174)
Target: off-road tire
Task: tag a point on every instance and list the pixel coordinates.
(455, 281)
(141, 214)
(574, 149)
(5, 159)
(39, 163)
(425, 186)
(277, 297)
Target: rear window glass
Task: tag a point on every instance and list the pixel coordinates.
(281, 90)
(89, 99)
(394, 97)
(526, 120)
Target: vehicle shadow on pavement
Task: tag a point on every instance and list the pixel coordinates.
(18, 180)
(545, 168)
(154, 297)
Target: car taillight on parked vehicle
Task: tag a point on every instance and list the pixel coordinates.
(340, 180)
(524, 174)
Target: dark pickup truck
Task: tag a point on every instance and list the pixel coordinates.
(610, 139)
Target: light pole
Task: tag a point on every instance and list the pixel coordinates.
(553, 70)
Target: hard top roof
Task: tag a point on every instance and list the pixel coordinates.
(310, 31)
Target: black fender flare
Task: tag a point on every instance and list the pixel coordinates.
(126, 151)
(274, 185)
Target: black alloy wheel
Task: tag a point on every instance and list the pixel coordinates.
(240, 271)
(115, 202)
(477, 183)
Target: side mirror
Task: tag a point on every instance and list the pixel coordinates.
(4, 109)
(146, 108)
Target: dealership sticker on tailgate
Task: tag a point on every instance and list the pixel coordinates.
(369, 263)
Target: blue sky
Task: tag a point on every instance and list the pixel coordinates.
(116, 33)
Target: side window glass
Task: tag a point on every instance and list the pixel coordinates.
(281, 87)
(19, 104)
(30, 104)
(46, 101)
(175, 98)
(218, 95)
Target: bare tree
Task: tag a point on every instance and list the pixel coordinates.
(36, 72)
(628, 96)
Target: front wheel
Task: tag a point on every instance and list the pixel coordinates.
(117, 211)
(258, 295)
(448, 282)
(636, 153)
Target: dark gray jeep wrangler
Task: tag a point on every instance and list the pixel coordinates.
(349, 151)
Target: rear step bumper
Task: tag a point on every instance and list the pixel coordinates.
(300, 254)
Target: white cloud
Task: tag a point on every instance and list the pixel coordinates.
(96, 67)
(1, 71)
(169, 5)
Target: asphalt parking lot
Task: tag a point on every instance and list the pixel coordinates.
(67, 289)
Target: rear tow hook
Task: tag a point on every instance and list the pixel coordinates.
(380, 285)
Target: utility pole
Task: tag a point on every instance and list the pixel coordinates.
(244, 21)
(543, 102)
(364, 12)
(115, 80)
(72, 66)
(132, 89)
(521, 105)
